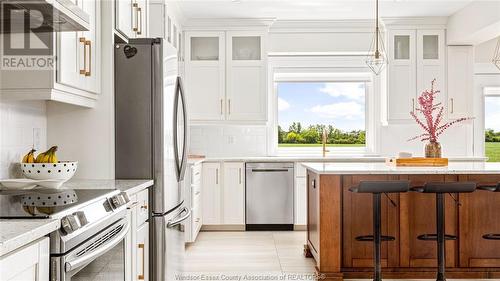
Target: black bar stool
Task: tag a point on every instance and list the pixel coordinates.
(440, 188)
(492, 188)
(377, 188)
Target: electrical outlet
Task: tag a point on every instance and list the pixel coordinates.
(37, 132)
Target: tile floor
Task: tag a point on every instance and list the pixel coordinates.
(253, 255)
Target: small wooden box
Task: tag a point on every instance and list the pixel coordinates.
(417, 162)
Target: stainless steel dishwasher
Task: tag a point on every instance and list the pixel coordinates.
(269, 196)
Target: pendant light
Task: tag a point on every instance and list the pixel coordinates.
(377, 58)
(496, 55)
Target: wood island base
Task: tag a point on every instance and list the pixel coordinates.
(336, 216)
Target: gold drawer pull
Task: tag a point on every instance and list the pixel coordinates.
(89, 43)
(84, 42)
(141, 246)
(135, 7)
(139, 12)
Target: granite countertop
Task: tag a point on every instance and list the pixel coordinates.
(128, 186)
(15, 233)
(462, 167)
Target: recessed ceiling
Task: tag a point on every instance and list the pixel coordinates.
(317, 9)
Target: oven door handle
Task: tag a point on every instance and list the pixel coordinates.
(74, 264)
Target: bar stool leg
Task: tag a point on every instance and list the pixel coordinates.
(440, 219)
(377, 236)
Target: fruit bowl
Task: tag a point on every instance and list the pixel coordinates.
(62, 170)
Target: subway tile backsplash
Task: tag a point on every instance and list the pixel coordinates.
(228, 140)
(22, 125)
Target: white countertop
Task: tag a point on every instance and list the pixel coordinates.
(382, 168)
(15, 233)
(319, 158)
(129, 186)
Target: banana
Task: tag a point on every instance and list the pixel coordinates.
(48, 156)
(30, 157)
(39, 158)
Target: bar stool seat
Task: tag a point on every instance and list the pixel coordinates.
(440, 188)
(492, 188)
(377, 188)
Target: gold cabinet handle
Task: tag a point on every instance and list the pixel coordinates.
(229, 106)
(135, 6)
(141, 246)
(216, 176)
(84, 42)
(139, 22)
(89, 44)
(413, 104)
(221, 105)
(452, 105)
(240, 175)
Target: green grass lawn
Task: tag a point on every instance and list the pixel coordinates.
(318, 145)
(493, 151)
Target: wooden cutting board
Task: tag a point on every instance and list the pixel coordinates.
(417, 162)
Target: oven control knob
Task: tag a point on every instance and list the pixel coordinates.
(119, 200)
(70, 224)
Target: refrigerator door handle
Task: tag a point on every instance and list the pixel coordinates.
(179, 97)
(176, 222)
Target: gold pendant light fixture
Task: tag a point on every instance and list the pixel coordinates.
(496, 55)
(377, 57)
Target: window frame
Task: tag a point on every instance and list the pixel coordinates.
(491, 91)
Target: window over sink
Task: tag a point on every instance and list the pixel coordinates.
(308, 108)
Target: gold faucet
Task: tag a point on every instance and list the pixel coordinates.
(324, 139)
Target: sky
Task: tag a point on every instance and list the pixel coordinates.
(492, 113)
(341, 105)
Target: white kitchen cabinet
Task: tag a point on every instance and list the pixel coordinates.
(28, 263)
(74, 77)
(431, 62)
(233, 202)
(416, 57)
(246, 76)
(460, 81)
(193, 200)
(223, 194)
(205, 75)
(79, 53)
(401, 74)
(137, 240)
(142, 252)
(211, 193)
(226, 75)
(131, 18)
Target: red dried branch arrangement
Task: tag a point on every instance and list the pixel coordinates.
(430, 124)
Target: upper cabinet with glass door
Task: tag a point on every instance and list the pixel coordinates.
(246, 76)
(205, 74)
(416, 57)
(226, 75)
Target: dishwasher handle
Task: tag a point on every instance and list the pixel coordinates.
(269, 170)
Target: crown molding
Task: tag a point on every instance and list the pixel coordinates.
(321, 26)
(228, 23)
(419, 22)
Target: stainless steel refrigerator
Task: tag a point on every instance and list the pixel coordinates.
(151, 142)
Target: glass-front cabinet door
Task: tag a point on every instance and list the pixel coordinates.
(401, 73)
(431, 62)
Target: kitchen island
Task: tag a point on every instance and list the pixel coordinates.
(336, 216)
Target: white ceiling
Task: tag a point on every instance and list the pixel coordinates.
(317, 9)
